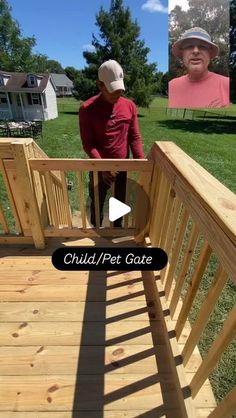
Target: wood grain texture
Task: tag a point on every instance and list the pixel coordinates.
(211, 205)
(75, 344)
(46, 360)
(54, 393)
(74, 333)
(34, 292)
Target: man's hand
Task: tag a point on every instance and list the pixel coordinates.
(108, 177)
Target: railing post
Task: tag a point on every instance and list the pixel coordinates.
(142, 206)
(227, 407)
(224, 338)
(27, 192)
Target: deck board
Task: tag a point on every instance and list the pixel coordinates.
(74, 333)
(72, 311)
(56, 277)
(46, 360)
(54, 393)
(94, 414)
(78, 292)
(79, 344)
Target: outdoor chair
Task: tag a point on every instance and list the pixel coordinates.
(21, 129)
(4, 131)
(37, 129)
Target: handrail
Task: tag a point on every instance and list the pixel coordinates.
(76, 164)
(210, 203)
(43, 207)
(193, 217)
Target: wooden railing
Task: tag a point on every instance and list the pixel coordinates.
(191, 216)
(40, 202)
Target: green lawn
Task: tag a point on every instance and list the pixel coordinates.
(211, 142)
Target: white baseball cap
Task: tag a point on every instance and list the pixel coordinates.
(111, 74)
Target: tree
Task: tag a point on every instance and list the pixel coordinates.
(232, 60)
(72, 73)
(211, 15)
(54, 66)
(157, 88)
(119, 39)
(164, 84)
(41, 64)
(84, 86)
(15, 51)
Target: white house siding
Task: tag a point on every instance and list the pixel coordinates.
(50, 112)
(33, 113)
(28, 112)
(19, 106)
(16, 107)
(4, 112)
(64, 91)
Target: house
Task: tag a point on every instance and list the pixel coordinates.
(63, 84)
(27, 96)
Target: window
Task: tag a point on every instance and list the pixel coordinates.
(32, 82)
(29, 98)
(3, 98)
(34, 99)
(1, 80)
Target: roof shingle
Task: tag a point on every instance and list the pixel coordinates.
(17, 82)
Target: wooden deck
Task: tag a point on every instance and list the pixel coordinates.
(85, 344)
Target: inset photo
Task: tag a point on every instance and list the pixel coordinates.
(198, 54)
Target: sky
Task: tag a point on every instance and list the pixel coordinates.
(63, 29)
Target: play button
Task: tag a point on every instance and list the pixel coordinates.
(113, 210)
(117, 209)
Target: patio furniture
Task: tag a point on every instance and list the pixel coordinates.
(4, 132)
(22, 129)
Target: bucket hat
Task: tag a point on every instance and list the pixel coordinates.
(194, 33)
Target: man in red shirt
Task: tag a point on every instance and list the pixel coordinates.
(108, 129)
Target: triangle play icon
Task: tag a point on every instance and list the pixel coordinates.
(117, 209)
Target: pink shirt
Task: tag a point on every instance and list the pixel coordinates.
(212, 91)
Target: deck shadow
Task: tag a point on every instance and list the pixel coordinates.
(206, 126)
(69, 112)
(94, 396)
(97, 397)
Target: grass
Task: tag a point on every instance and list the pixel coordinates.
(211, 142)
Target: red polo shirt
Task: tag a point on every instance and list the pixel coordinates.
(109, 130)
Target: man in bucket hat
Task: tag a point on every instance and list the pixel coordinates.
(199, 87)
(108, 129)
